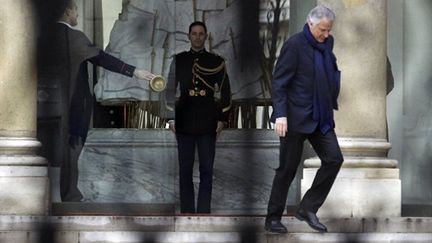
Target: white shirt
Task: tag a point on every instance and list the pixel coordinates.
(67, 24)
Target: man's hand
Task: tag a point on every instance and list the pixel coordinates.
(143, 74)
(171, 124)
(220, 126)
(281, 126)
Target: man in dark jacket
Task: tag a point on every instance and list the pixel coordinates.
(305, 88)
(62, 62)
(198, 117)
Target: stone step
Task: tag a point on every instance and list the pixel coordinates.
(210, 224)
(206, 229)
(138, 209)
(210, 237)
(112, 209)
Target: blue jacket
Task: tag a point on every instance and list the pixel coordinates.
(293, 84)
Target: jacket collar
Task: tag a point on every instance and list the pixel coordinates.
(67, 24)
(198, 52)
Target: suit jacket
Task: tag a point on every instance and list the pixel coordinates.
(201, 77)
(62, 59)
(293, 84)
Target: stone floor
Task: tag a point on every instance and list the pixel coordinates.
(203, 229)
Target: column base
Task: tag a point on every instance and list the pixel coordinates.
(368, 184)
(24, 190)
(24, 182)
(360, 193)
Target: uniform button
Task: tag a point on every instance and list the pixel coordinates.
(196, 88)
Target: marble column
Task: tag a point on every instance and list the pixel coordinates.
(23, 174)
(368, 184)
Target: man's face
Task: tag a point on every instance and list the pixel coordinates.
(72, 14)
(197, 37)
(322, 30)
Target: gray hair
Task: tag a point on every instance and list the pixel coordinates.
(320, 12)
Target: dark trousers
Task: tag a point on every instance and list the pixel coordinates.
(186, 154)
(291, 148)
(69, 191)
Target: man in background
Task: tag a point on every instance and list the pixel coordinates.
(63, 56)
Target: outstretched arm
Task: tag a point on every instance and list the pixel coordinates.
(112, 63)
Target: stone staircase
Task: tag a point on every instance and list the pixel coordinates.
(205, 229)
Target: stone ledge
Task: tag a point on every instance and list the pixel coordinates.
(211, 224)
(22, 160)
(165, 138)
(112, 209)
(212, 237)
(359, 173)
(206, 237)
(368, 147)
(356, 162)
(23, 171)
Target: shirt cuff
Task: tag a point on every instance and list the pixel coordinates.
(281, 119)
(127, 69)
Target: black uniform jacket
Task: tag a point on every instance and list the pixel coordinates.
(205, 94)
(62, 57)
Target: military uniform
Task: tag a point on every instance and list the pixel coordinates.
(199, 76)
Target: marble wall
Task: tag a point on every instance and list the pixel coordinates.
(119, 165)
(140, 166)
(142, 36)
(148, 34)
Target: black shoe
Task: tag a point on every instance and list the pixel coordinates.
(311, 219)
(275, 226)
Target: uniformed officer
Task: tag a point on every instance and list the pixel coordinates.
(199, 118)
